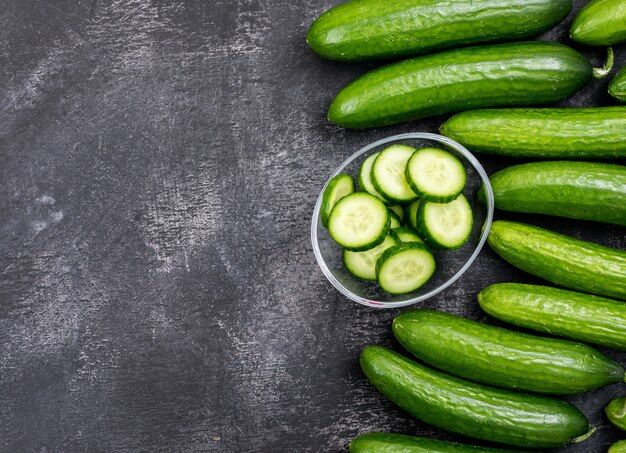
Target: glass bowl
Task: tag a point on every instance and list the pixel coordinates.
(450, 264)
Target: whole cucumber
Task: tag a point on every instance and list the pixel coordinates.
(502, 74)
(593, 133)
(618, 447)
(561, 259)
(368, 29)
(617, 86)
(503, 358)
(600, 23)
(398, 443)
(557, 311)
(576, 190)
(616, 412)
(472, 409)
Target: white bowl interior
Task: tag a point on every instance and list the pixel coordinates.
(450, 264)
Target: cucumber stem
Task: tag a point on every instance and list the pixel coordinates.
(600, 73)
(585, 436)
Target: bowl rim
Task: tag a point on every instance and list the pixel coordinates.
(483, 237)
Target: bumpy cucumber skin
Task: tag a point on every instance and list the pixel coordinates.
(573, 133)
(576, 190)
(561, 259)
(326, 206)
(558, 312)
(616, 412)
(618, 447)
(484, 76)
(368, 29)
(600, 23)
(471, 409)
(617, 87)
(504, 358)
(399, 443)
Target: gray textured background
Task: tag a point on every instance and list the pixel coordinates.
(159, 162)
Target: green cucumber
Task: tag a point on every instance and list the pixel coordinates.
(435, 175)
(367, 29)
(618, 447)
(555, 311)
(399, 443)
(504, 358)
(410, 214)
(576, 190)
(485, 76)
(445, 226)
(600, 23)
(579, 133)
(405, 267)
(388, 174)
(561, 259)
(616, 412)
(617, 87)
(363, 264)
(365, 177)
(404, 234)
(471, 409)
(337, 188)
(399, 210)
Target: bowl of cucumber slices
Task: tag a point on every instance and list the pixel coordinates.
(399, 220)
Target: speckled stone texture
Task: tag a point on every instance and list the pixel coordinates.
(159, 162)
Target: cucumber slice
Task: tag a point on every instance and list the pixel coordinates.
(359, 221)
(394, 220)
(365, 179)
(410, 215)
(337, 188)
(404, 234)
(388, 174)
(363, 264)
(405, 267)
(445, 225)
(436, 175)
(398, 210)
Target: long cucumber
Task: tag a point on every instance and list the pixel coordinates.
(561, 259)
(367, 29)
(600, 23)
(557, 311)
(500, 357)
(575, 133)
(399, 443)
(484, 76)
(471, 409)
(616, 412)
(617, 87)
(576, 190)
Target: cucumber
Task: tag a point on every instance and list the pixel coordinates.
(404, 268)
(618, 447)
(576, 190)
(445, 226)
(368, 29)
(398, 443)
(358, 222)
(365, 180)
(569, 314)
(435, 175)
(363, 264)
(578, 133)
(617, 87)
(337, 188)
(410, 214)
(503, 358)
(394, 220)
(600, 23)
(485, 76)
(616, 412)
(404, 234)
(388, 174)
(471, 409)
(561, 259)
(399, 210)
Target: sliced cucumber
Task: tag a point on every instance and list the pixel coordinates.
(363, 264)
(398, 210)
(435, 175)
(410, 215)
(404, 268)
(388, 174)
(365, 179)
(445, 225)
(404, 234)
(359, 221)
(394, 220)
(337, 188)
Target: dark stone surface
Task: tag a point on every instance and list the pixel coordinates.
(159, 162)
